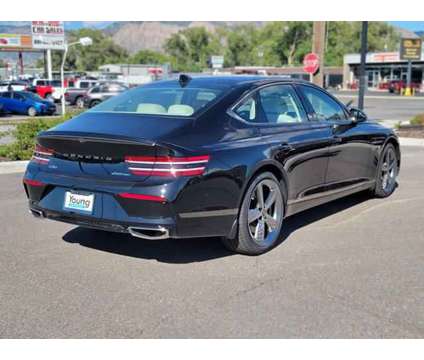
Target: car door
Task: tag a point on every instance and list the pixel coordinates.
(299, 144)
(352, 153)
(19, 103)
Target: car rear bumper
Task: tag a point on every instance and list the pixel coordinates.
(199, 208)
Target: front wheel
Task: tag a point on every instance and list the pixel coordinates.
(32, 111)
(260, 217)
(387, 171)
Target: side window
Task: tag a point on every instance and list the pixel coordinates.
(324, 106)
(280, 105)
(277, 104)
(18, 97)
(95, 90)
(247, 109)
(7, 95)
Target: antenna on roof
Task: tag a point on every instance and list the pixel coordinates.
(184, 80)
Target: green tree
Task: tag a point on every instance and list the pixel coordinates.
(102, 51)
(286, 42)
(190, 49)
(242, 43)
(149, 57)
(345, 37)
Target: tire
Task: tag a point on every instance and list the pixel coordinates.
(94, 103)
(79, 102)
(32, 111)
(259, 222)
(387, 171)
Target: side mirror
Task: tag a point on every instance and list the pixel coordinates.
(357, 115)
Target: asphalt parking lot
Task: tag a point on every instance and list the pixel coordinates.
(386, 106)
(353, 268)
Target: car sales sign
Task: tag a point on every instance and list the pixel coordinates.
(48, 35)
(311, 63)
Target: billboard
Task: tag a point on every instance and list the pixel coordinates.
(410, 49)
(15, 41)
(48, 35)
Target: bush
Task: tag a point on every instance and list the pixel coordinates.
(418, 120)
(25, 134)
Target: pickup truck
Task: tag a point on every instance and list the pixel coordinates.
(75, 95)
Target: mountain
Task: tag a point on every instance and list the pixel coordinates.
(139, 35)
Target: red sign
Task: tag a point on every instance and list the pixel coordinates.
(311, 63)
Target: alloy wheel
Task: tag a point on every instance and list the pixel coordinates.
(265, 212)
(389, 171)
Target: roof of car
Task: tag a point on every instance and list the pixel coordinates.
(226, 81)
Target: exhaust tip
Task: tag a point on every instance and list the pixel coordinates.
(37, 213)
(149, 233)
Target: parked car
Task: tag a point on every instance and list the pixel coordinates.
(75, 95)
(13, 85)
(99, 93)
(396, 86)
(229, 157)
(26, 103)
(48, 89)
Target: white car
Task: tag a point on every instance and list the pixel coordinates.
(16, 86)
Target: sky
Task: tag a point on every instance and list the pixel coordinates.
(409, 25)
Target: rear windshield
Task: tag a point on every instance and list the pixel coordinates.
(174, 101)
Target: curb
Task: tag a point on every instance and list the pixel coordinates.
(11, 167)
(411, 142)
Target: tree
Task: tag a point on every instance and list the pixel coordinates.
(89, 58)
(287, 42)
(149, 57)
(190, 49)
(242, 43)
(345, 37)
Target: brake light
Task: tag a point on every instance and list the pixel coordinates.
(33, 182)
(167, 166)
(142, 197)
(42, 154)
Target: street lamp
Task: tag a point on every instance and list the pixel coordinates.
(84, 41)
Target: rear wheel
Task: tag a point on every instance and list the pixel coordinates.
(260, 218)
(32, 111)
(79, 102)
(387, 172)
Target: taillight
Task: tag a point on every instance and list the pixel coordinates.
(41, 154)
(167, 166)
(33, 182)
(143, 197)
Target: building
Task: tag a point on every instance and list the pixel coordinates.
(381, 67)
(133, 74)
(333, 75)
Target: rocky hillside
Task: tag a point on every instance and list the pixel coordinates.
(135, 36)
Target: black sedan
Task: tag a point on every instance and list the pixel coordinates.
(214, 156)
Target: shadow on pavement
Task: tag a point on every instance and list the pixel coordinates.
(182, 251)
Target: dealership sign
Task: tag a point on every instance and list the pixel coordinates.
(410, 49)
(48, 35)
(311, 63)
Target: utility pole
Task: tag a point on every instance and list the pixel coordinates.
(318, 44)
(362, 74)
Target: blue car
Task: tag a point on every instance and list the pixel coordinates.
(24, 102)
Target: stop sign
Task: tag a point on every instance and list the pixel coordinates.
(311, 63)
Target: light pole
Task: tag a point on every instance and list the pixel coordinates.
(85, 41)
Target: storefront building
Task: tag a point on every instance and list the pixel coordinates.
(381, 68)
